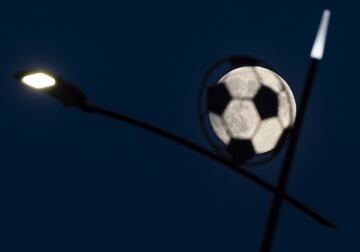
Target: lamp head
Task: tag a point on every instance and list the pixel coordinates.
(60, 89)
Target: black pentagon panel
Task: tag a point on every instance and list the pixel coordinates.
(218, 98)
(266, 102)
(240, 150)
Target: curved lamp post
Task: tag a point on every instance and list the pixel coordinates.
(69, 95)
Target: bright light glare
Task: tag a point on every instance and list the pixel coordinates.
(319, 44)
(38, 80)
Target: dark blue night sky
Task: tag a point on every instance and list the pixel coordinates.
(74, 182)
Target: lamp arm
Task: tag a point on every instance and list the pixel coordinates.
(88, 107)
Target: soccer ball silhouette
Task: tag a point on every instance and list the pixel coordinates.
(250, 109)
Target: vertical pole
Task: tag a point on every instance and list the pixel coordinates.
(316, 56)
(278, 197)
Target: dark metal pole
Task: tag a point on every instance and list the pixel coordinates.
(135, 122)
(316, 55)
(294, 136)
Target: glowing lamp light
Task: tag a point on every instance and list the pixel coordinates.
(38, 80)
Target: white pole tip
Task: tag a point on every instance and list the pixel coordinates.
(317, 51)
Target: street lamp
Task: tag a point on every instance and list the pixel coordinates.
(55, 86)
(69, 95)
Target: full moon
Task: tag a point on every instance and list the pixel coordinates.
(259, 106)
